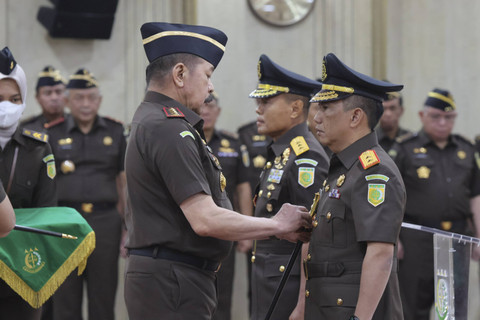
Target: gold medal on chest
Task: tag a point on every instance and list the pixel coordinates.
(107, 141)
(340, 180)
(67, 166)
(285, 156)
(223, 182)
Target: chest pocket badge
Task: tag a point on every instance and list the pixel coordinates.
(223, 182)
(423, 172)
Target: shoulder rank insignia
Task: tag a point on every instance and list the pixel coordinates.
(173, 112)
(35, 135)
(299, 145)
(368, 159)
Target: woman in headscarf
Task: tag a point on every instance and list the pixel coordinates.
(27, 167)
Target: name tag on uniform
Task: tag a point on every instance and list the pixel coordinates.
(275, 176)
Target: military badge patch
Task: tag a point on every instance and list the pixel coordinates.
(306, 176)
(275, 176)
(51, 170)
(334, 193)
(377, 177)
(376, 194)
(306, 161)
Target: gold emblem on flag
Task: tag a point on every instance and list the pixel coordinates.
(33, 261)
(423, 172)
(107, 141)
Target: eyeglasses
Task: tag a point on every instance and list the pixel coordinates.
(438, 117)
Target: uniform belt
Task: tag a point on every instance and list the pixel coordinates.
(173, 255)
(88, 207)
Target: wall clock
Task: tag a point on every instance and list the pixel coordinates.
(281, 12)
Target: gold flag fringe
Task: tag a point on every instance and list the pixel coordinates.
(36, 299)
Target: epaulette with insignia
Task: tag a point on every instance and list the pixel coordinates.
(52, 123)
(229, 134)
(459, 136)
(299, 145)
(113, 119)
(35, 135)
(368, 159)
(405, 137)
(172, 112)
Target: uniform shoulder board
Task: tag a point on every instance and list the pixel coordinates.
(368, 159)
(53, 122)
(405, 137)
(229, 134)
(35, 135)
(299, 145)
(465, 139)
(113, 120)
(172, 112)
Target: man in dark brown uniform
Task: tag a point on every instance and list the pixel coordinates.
(90, 150)
(179, 219)
(50, 94)
(295, 168)
(351, 266)
(226, 147)
(442, 178)
(27, 167)
(388, 128)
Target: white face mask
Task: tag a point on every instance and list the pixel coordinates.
(10, 113)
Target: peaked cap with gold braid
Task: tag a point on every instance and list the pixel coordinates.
(440, 99)
(82, 79)
(161, 39)
(274, 80)
(49, 76)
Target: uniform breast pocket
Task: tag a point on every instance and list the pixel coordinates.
(331, 224)
(275, 266)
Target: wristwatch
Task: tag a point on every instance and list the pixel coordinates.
(354, 317)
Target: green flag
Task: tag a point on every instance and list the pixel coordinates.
(35, 265)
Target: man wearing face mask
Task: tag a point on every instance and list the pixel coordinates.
(27, 167)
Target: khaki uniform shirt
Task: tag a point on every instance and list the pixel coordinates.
(33, 183)
(167, 162)
(88, 164)
(359, 203)
(254, 151)
(439, 182)
(384, 141)
(226, 148)
(295, 169)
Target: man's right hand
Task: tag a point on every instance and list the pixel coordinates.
(294, 223)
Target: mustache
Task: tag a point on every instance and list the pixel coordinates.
(208, 99)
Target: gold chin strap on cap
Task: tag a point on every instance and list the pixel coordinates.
(443, 98)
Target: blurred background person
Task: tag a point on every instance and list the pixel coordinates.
(90, 152)
(50, 95)
(388, 128)
(226, 147)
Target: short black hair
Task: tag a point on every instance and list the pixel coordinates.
(160, 67)
(306, 101)
(369, 106)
